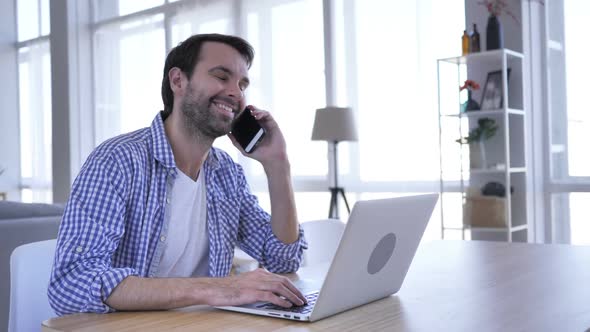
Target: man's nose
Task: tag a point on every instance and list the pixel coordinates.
(235, 92)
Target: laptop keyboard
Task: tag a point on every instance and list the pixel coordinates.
(304, 309)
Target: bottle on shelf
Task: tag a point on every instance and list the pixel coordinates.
(465, 42)
(474, 42)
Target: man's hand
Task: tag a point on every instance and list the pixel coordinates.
(271, 152)
(272, 148)
(254, 286)
(137, 293)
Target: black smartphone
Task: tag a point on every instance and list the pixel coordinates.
(247, 130)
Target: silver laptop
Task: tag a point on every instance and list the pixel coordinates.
(371, 262)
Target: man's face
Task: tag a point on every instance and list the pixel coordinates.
(215, 92)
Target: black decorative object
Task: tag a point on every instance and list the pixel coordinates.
(494, 34)
(495, 189)
(474, 46)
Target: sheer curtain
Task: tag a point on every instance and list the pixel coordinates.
(288, 80)
(35, 121)
(568, 70)
(34, 100)
(287, 75)
(386, 71)
(578, 119)
(128, 62)
(389, 51)
(385, 60)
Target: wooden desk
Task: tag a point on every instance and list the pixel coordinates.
(451, 286)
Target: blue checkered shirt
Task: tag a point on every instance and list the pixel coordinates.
(116, 218)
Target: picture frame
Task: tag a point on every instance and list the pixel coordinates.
(492, 96)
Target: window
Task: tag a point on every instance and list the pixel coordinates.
(577, 71)
(108, 9)
(386, 71)
(567, 72)
(33, 19)
(394, 86)
(128, 59)
(385, 61)
(288, 75)
(129, 55)
(34, 73)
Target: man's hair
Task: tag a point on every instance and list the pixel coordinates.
(186, 55)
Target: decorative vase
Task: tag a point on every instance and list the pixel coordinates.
(494, 34)
(477, 155)
(470, 104)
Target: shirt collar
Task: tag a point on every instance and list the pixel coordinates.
(163, 150)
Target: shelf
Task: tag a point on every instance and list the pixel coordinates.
(485, 113)
(482, 56)
(506, 154)
(487, 229)
(498, 229)
(495, 170)
(455, 228)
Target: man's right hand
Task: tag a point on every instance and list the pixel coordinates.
(137, 293)
(254, 286)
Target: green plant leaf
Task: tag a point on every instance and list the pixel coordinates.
(486, 129)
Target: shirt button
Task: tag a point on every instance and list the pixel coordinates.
(79, 249)
(163, 238)
(167, 200)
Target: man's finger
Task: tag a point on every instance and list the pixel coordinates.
(295, 290)
(274, 299)
(283, 286)
(282, 290)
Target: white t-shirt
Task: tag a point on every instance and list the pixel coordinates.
(186, 252)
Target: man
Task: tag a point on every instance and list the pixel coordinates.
(154, 215)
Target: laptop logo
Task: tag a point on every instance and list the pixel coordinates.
(381, 254)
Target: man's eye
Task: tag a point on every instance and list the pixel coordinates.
(223, 78)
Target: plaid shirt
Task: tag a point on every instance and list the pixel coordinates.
(116, 218)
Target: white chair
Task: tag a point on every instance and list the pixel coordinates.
(323, 237)
(30, 267)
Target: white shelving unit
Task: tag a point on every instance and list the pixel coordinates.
(505, 151)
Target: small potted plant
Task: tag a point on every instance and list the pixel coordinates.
(486, 129)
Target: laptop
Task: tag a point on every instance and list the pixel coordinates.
(371, 262)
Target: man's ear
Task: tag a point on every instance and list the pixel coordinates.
(177, 80)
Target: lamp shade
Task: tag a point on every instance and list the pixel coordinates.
(334, 124)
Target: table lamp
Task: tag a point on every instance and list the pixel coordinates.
(334, 125)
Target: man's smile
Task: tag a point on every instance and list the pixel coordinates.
(224, 109)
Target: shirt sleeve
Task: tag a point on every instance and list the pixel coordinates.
(83, 277)
(257, 239)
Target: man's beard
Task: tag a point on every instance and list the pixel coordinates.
(200, 120)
